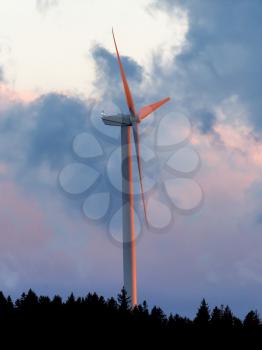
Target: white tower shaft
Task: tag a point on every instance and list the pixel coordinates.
(129, 245)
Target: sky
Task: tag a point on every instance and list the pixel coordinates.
(58, 71)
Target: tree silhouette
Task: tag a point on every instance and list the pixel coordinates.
(252, 320)
(124, 301)
(227, 317)
(27, 302)
(179, 323)
(216, 317)
(112, 305)
(158, 318)
(6, 305)
(44, 301)
(86, 317)
(203, 316)
(71, 300)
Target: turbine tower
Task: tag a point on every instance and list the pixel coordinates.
(130, 123)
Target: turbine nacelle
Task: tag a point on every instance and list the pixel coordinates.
(117, 119)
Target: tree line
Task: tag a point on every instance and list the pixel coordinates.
(94, 314)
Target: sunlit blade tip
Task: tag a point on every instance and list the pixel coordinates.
(129, 98)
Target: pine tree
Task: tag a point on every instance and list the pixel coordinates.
(158, 317)
(145, 309)
(57, 300)
(6, 304)
(216, 317)
(71, 300)
(112, 305)
(44, 301)
(227, 317)
(124, 301)
(203, 316)
(252, 320)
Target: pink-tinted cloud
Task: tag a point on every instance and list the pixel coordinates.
(10, 96)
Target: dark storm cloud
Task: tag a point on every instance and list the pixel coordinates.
(108, 80)
(41, 131)
(205, 121)
(57, 120)
(107, 65)
(223, 56)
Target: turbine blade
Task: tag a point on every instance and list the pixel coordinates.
(137, 145)
(129, 98)
(145, 111)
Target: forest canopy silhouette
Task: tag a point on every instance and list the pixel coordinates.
(93, 314)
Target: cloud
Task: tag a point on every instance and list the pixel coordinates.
(1, 74)
(42, 131)
(108, 82)
(44, 5)
(58, 119)
(36, 143)
(205, 121)
(107, 65)
(221, 58)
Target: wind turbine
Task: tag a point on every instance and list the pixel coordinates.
(129, 122)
